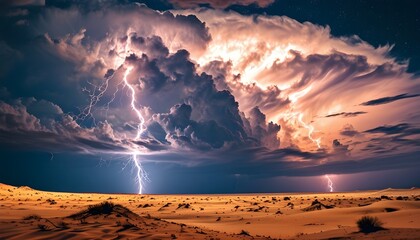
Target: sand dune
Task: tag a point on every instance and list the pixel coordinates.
(26, 213)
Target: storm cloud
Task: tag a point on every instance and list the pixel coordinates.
(219, 3)
(386, 100)
(346, 114)
(213, 87)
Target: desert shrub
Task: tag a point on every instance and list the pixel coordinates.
(101, 208)
(51, 201)
(368, 224)
(391, 209)
(183, 205)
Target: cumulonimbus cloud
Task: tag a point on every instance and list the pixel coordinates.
(208, 83)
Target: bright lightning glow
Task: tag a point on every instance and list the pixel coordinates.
(242, 50)
(235, 51)
(310, 131)
(95, 96)
(330, 183)
(139, 172)
(97, 92)
(140, 127)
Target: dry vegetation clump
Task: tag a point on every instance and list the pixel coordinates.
(385, 197)
(183, 205)
(51, 201)
(368, 224)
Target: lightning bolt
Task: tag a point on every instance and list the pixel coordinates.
(96, 92)
(310, 129)
(330, 183)
(297, 116)
(140, 128)
(95, 96)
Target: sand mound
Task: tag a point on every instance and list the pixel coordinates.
(106, 220)
(25, 188)
(105, 209)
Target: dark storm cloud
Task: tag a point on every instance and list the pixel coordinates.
(267, 100)
(263, 132)
(390, 129)
(340, 149)
(403, 129)
(184, 132)
(349, 131)
(263, 163)
(377, 163)
(201, 118)
(391, 138)
(219, 3)
(48, 128)
(386, 100)
(287, 154)
(56, 37)
(17, 118)
(22, 3)
(346, 114)
(198, 117)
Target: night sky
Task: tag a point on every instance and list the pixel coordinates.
(209, 96)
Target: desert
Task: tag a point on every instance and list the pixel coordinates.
(26, 213)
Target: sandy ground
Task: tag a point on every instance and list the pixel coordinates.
(248, 216)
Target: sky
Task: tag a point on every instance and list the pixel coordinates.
(209, 96)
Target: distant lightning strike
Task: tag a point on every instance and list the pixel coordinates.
(310, 128)
(233, 51)
(330, 183)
